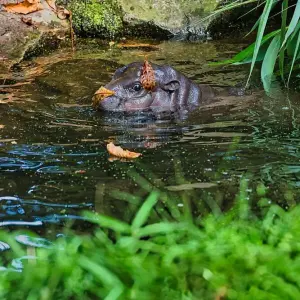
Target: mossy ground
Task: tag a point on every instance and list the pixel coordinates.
(96, 18)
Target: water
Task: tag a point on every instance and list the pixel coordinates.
(54, 163)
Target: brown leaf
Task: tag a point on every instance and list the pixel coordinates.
(137, 45)
(101, 94)
(119, 152)
(1, 126)
(26, 7)
(148, 78)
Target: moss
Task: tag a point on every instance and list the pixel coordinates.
(96, 18)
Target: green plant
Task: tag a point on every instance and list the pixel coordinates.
(281, 45)
(232, 255)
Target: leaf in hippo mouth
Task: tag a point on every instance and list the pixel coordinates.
(101, 94)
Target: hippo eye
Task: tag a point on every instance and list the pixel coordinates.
(137, 87)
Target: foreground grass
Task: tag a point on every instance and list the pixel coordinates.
(232, 256)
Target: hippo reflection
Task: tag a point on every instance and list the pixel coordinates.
(173, 92)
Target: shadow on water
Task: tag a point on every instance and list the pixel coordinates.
(53, 160)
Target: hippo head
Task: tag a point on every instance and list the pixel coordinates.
(126, 92)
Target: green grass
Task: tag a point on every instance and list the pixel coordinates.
(233, 254)
(279, 50)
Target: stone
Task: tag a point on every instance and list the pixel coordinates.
(96, 18)
(19, 39)
(164, 18)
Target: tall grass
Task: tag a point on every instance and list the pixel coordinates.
(278, 50)
(225, 256)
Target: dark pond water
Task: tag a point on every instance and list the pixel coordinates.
(54, 163)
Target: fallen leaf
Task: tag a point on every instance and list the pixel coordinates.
(2, 126)
(25, 7)
(147, 77)
(119, 152)
(80, 171)
(190, 186)
(137, 45)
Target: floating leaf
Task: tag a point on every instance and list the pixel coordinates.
(25, 7)
(119, 152)
(147, 77)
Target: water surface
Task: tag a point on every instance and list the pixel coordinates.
(53, 159)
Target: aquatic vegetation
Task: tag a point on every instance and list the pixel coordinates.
(279, 47)
(232, 255)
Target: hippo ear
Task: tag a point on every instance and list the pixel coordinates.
(171, 86)
(119, 72)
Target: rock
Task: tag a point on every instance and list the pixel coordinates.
(161, 18)
(96, 18)
(140, 18)
(19, 38)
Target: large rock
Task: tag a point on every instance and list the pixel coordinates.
(100, 18)
(163, 18)
(18, 39)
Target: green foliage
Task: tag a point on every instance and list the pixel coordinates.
(282, 44)
(97, 18)
(234, 254)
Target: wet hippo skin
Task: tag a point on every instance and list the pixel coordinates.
(173, 92)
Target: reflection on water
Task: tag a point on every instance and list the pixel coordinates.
(54, 163)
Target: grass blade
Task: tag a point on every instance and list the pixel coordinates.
(108, 222)
(268, 64)
(159, 228)
(227, 7)
(260, 33)
(293, 23)
(109, 279)
(145, 210)
(294, 57)
(282, 34)
(247, 52)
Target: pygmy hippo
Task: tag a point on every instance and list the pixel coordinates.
(171, 91)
